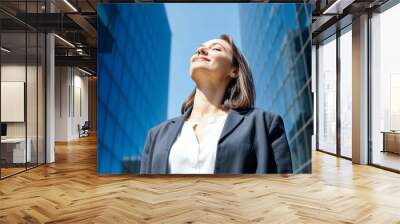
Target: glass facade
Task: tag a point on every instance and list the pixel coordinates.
(385, 89)
(22, 78)
(276, 41)
(335, 94)
(134, 42)
(377, 77)
(327, 95)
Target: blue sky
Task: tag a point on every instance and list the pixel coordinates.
(191, 25)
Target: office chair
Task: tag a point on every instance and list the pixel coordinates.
(84, 130)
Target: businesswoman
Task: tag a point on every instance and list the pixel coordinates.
(219, 131)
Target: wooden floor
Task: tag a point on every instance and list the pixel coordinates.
(10, 171)
(70, 191)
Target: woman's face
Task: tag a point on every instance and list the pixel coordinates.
(212, 61)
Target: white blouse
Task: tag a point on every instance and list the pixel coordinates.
(187, 156)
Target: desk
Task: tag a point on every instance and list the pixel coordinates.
(15, 148)
(391, 141)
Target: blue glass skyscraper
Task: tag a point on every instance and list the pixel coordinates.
(134, 43)
(276, 41)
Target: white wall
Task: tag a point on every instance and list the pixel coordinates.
(61, 103)
(13, 99)
(70, 83)
(79, 117)
(16, 72)
(33, 127)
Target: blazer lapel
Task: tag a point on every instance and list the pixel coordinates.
(232, 121)
(176, 127)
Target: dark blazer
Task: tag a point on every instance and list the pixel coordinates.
(251, 141)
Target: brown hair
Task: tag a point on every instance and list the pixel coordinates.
(239, 93)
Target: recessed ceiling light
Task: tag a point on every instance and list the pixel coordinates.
(338, 6)
(84, 71)
(70, 5)
(5, 50)
(65, 41)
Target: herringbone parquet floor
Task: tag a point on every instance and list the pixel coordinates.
(70, 191)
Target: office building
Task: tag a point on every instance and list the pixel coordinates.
(133, 95)
(281, 66)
